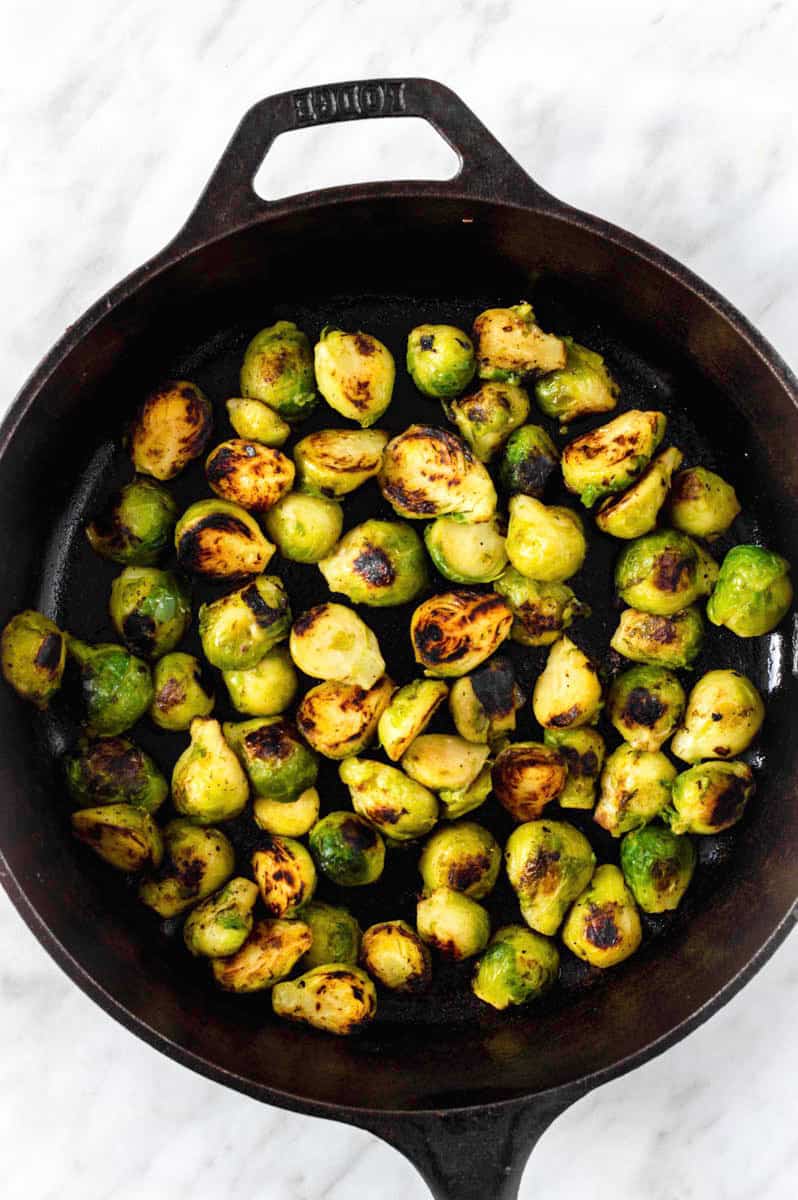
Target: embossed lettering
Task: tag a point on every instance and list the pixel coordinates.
(374, 99)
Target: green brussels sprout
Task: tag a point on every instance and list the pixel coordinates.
(305, 528)
(753, 591)
(456, 802)
(526, 777)
(635, 511)
(440, 360)
(116, 686)
(265, 689)
(657, 865)
(486, 418)
(239, 629)
(355, 373)
(510, 345)
(428, 472)
(136, 525)
(278, 369)
(253, 476)
(462, 856)
(408, 713)
(285, 874)
(221, 541)
(541, 611)
(530, 459)
(347, 850)
(635, 788)
(339, 719)
(665, 641)
(271, 952)
(333, 462)
(723, 716)
(208, 783)
(336, 999)
(180, 692)
(398, 806)
(581, 388)
(645, 704)
(219, 926)
(170, 429)
(710, 797)
(582, 751)
(567, 692)
(395, 955)
(377, 563)
(336, 935)
(254, 420)
(702, 503)
(331, 641)
(150, 610)
(32, 655)
(198, 861)
(518, 966)
(278, 763)
(441, 760)
(483, 705)
(544, 542)
(603, 927)
(114, 771)
(466, 553)
(453, 633)
(663, 572)
(610, 458)
(124, 836)
(287, 819)
(548, 864)
(454, 924)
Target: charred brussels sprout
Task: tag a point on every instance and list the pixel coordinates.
(248, 474)
(170, 429)
(541, 611)
(485, 419)
(278, 369)
(665, 641)
(463, 856)
(355, 373)
(114, 771)
(285, 875)
(544, 542)
(702, 503)
(395, 955)
(548, 864)
(378, 563)
(305, 528)
(567, 693)
(580, 388)
(271, 952)
(456, 802)
(291, 818)
(454, 924)
(664, 572)
(180, 692)
(582, 751)
(753, 591)
(33, 655)
(198, 862)
(526, 777)
(518, 966)
(336, 935)
(635, 788)
(239, 629)
(220, 925)
(466, 553)
(440, 360)
(208, 783)
(123, 835)
(278, 763)
(265, 689)
(483, 705)
(645, 705)
(333, 462)
(408, 713)
(331, 641)
(530, 459)
(116, 687)
(635, 511)
(710, 797)
(254, 420)
(398, 806)
(603, 927)
(723, 716)
(510, 345)
(150, 610)
(339, 719)
(441, 760)
(610, 458)
(428, 472)
(455, 632)
(335, 999)
(219, 540)
(347, 850)
(657, 866)
(136, 525)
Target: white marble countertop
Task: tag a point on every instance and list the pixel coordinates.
(674, 119)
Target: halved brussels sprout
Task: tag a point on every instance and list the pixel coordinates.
(541, 611)
(278, 763)
(180, 692)
(136, 524)
(441, 760)
(657, 865)
(336, 935)
(463, 856)
(208, 783)
(635, 511)
(220, 541)
(603, 927)
(254, 420)
(530, 459)
(567, 693)
(335, 999)
(486, 418)
(454, 924)
(455, 632)
(377, 563)
(526, 777)
(331, 641)
(664, 572)
(510, 345)
(645, 704)
(398, 806)
(270, 953)
(395, 955)
(483, 705)
(265, 689)
(581, 387)
(291, 818)
(124, 835)
(32, 655)
(702, 503)
(723, 716)
(548, 864)
(456, 802)
(582, 751)
(305, 528)
(710, 797)
(198, 862)
(544, 542)
(114, 771)
(466, 553)
(220, 925)
(347, 849)
(409, 712)
(428, 472)
(518, 966)
(170, 429)
(333, 462)
(666, 641)
(239, 629)
(339, 719)
(278, 369)
(753, 591)
(248, 474)
(610, 458)
(150, 610)
(285, 875)
(355, 374)
(635, 788)
(116, 686)
(440, 360)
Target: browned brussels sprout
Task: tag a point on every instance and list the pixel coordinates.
(170, 429)
(278, 369)
(355, 374)
(455, 632)
(510, 345)
(486, 418)
(440, 360)
(665, 641)
(221, 541)
(150, 610)
(248, 474)
(483, 705)
(33, 655)
(530, 459)
(526, 777)
(580, 388)
(136, 524)
(428, 472)
(114, 771)
(603, 927)
(395, 955)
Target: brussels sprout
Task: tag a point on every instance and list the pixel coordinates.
(603, 927)
(395, 955)
(483, 705)
(271, 952)
(400, 807)
(254, 420)
(665, 641)
(440, 360)
(567, 693)
(526, 777)
(541, 611)
(285, 875)
(208, 783)
(466, 553)
(454, 924)
(338, 719)
(116, 686)
(278, 763)
(530, 459)
(701, 503)
(582, 751)
(220, 541)
(455, 632)
(333, 462)
(291, 819)
(150, 610)
(548, 864)
(710, 797)
(335, 999)
(355, 374)
(336, 935)
(181, 693)
(305, 528)
(635, 788)
(581, 387)
(635, 511)
(518, 966)
(485, 419)
(657, 866)
(456, 802)
(114, 771)
(441, 760)
(136, 525)
(463, 856)
(409, 712)
(645, 705)
(32, 656)
(265, 689)
(278, 369)
(377, 563)
(220, 925)
(663, 572)
(753, 591)
(723, 716)
(544, 542)
(347, 850)
(331, 641)
(510, 345)
(239, 629)
(170, 429)
(198, 861)
(253, 476)
(610, 458)
(124, 836)
(428, 472)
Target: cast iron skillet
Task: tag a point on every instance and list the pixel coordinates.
(463, 1093)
